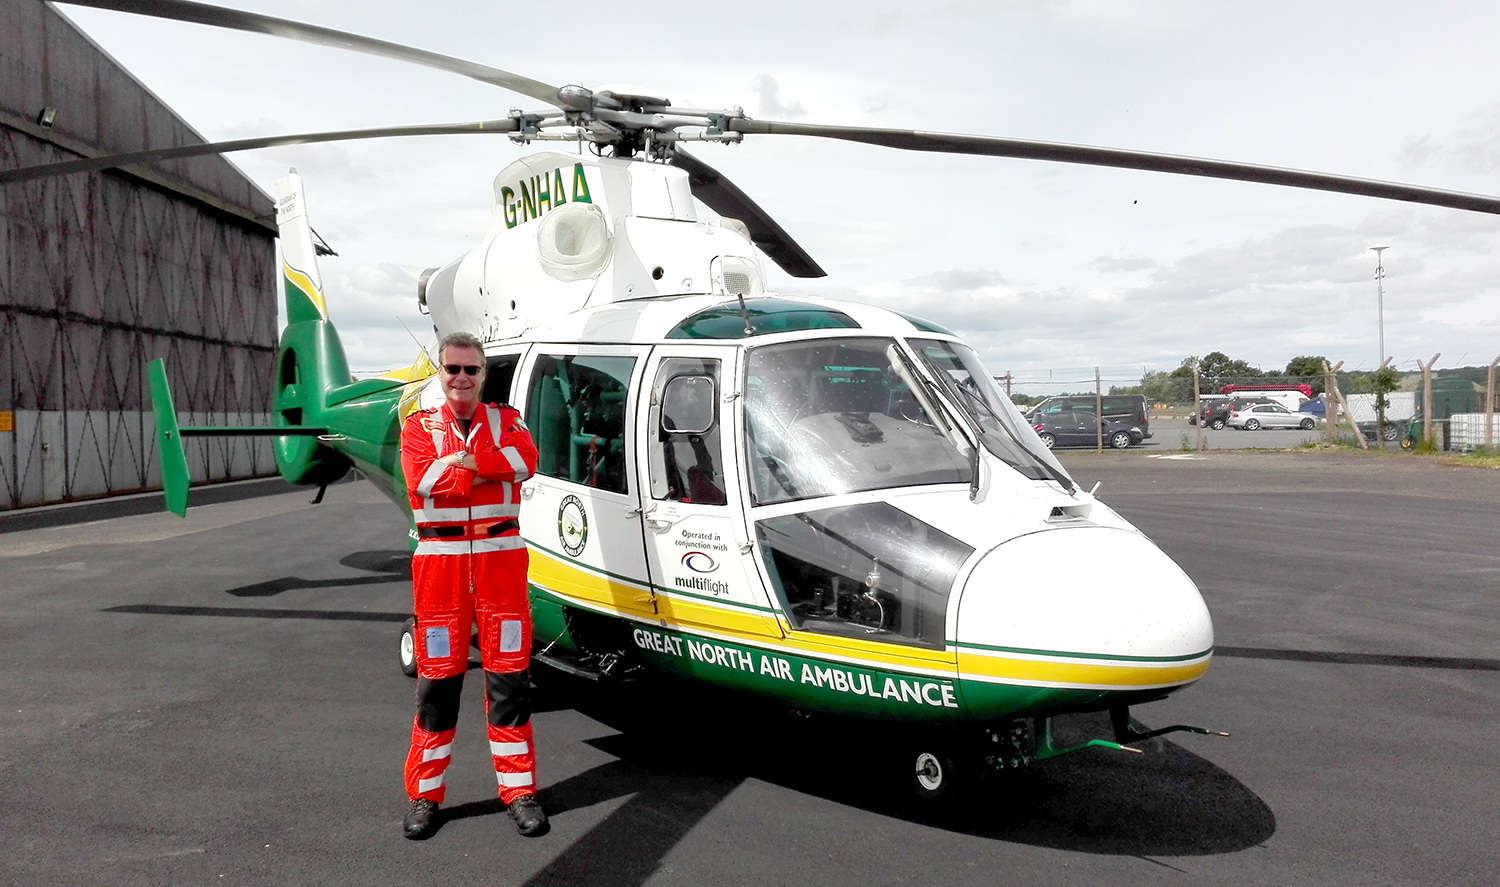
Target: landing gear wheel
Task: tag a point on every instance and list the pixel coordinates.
(408, 649)
(1252, 424)
(1049, 439)
(1120, 440)
(1217, 425)
(933, 775)
(941, 773)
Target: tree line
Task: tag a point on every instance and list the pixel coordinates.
(1217, 369)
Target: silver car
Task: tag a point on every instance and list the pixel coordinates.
(1270, 415)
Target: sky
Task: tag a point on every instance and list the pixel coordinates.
(1048, 270)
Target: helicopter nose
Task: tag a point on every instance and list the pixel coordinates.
(1087, 608)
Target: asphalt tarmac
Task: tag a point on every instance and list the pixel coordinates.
(217, 702)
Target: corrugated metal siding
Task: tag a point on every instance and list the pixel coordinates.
(102, 272)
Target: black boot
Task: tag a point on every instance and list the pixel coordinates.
(531, 820)
(421, 820)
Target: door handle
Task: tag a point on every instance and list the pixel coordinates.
(528, 492)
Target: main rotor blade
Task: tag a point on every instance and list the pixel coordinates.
(110, 161)
(236, 20)
(952, 143)
(724, 198)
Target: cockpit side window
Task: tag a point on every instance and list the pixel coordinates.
(686, 458)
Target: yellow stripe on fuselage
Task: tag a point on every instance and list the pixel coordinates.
(725, 622)
(1093, 674)
(587, 586)
(304, 283)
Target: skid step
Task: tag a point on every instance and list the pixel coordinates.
(589, 666)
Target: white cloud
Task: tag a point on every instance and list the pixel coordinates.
(771, 105)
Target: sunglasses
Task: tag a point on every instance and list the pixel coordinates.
(453, 369)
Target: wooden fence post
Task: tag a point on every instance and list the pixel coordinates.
(1427, 398)
(1359, 436)
(1489, 405)
(1330, 402)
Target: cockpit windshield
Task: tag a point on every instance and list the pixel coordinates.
(843, 415)
(1006, 433)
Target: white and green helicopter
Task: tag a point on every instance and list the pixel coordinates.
(822, 504)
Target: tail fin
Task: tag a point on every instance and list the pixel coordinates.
(302, 285)
(310, 362)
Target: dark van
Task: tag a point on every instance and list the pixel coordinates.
(1127, 408)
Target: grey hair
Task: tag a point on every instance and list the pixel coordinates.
(462, 340)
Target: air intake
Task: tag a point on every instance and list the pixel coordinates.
(573, 241)
(737, 276)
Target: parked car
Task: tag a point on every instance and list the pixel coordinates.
(1076, 428)
(1270, 415)
(1216, 412)
(1127, 409)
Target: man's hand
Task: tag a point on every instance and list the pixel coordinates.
(461, 459)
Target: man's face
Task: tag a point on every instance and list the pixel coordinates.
(460, 388)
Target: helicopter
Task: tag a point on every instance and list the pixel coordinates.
(813, 502)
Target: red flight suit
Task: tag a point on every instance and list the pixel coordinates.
(469, 567)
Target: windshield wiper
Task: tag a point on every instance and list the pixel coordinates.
(967, 389)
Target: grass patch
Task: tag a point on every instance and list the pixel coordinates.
(1479, 457)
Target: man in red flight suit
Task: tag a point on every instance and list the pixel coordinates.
(464, 463)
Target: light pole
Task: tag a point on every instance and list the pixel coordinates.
(1380, 296)
(1380, 327)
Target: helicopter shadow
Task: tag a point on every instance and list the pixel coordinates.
(390, 566)
(1167, 802)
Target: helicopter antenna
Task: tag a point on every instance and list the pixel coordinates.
(420, 346)
(744, 313)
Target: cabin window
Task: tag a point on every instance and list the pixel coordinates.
(863, 571)
(843, 415)
(497, 378)
(575, 407)
(686, 465)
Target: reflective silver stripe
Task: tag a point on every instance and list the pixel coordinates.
(513, 456)
(509, 748)
(430, 479)
(432, 754)
(507, 489)
(428, 514)
(427, 785)
(514, 780)
(439, 434)
(440, 546)
(497, 543)
(494, 414)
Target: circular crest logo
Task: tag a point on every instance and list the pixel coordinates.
(572, 525)
(699, 562)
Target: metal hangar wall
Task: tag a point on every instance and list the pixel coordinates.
(102, 272)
